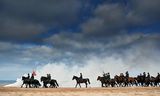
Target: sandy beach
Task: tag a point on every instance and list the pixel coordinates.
(127, 91)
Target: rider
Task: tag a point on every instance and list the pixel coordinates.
(108, 76)
(148, 75)
(105, 75)
(144, 75)
(127, 74)
(32, 77)
(140, 75)
(158, 75)
(28, 76)
(49, 76)
(81, 76)
(121, 75)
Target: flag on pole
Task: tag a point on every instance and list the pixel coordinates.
(34, 73)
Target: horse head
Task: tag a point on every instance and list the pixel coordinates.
(116, 77)
(99, 77)
(42, 78)
(24, 78)
(74, 77)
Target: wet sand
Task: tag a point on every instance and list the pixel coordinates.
(126, 91)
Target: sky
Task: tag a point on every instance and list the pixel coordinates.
(94, 35)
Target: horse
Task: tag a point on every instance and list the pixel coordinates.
(113, 82)
(143, 81)
(103, 81)
(157, 81)
(120, 80)
(154, 81)
(130, 81)
(26, 81)
(140, 80)
(35, 83)
(106, 82)
(53, 83)
(31, 82)
(45, 81)
(79, 80)
(147, 81)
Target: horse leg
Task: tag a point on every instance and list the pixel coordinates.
(26, 85)
(36, 86)
(22, 85)
(44, 85)
(30, 85)
(50, 86)
(57, 84)
(135, 83)
(102, 84)
(106, 85)
(86, 84)
(76, 85)
(79, 85)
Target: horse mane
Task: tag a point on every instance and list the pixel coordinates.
(75, 76)
(24, 78)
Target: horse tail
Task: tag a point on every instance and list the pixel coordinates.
(88, 81)
(56, 83)
(41, 79)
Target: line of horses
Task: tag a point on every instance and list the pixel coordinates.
(122, 81)
(48, 82)
(117, 81)
(34, 83)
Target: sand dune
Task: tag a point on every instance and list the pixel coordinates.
(127, 91)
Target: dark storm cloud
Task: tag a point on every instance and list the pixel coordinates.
(104, 33)
(26, 19)
(109, 25)
(109, 19)
(19, 31)
(144, 12)
(114, 18)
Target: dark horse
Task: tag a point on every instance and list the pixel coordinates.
(143, 81)
(106, 82)
(155, 81)
(53, 83)
(79, 80)
(30, 82)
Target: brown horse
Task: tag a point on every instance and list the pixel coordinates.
(131, 81)
(120, 80)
